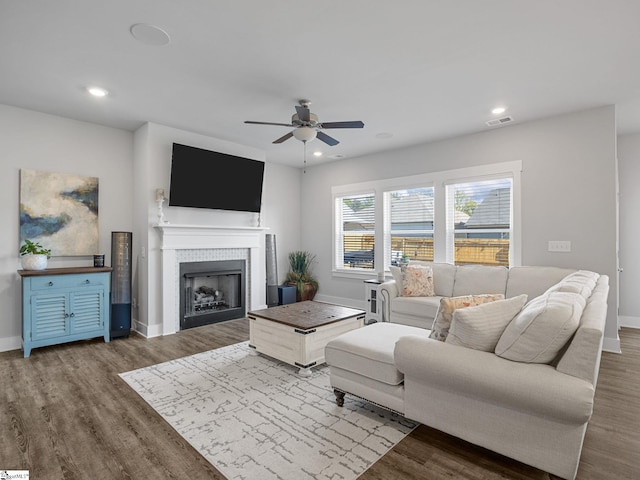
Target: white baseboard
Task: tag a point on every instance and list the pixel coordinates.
(611, 345)
(10, 343)
(346, 302)
(147, 331)
(631, 322)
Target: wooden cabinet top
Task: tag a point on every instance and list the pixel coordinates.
(63, 271)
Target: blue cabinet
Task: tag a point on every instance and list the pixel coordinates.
(63, 305)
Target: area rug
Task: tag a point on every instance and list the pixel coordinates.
(253, 417)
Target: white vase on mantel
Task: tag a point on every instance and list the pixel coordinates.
(34, 262)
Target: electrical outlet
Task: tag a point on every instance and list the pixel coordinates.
(563, 246)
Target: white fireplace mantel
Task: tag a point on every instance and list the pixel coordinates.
(175, 238)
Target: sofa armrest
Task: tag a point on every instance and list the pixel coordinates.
(533, 388)
(388, 290)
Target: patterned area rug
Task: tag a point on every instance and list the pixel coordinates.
(253, 417)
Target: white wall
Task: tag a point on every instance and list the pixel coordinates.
(568, 193)
(153, 148)
(629, 174)
(38, 141)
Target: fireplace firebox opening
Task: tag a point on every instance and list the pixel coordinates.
(211, 292)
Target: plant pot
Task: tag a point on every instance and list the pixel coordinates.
(308, 293)
(34, 262)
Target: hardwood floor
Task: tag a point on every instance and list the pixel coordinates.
(65, 414)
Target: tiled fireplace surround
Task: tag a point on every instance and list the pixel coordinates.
(196, 243)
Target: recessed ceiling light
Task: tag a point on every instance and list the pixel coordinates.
(150, 34)
(498, 110)
(317, 154)
(97, 91)
(384, 135)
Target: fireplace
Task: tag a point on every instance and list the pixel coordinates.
(203, 243)
(211, 292)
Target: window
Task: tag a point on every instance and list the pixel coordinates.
(408, 225)
(479, 222)
(355, 231)
(465, 216)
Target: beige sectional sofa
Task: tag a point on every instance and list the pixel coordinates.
(517, 403)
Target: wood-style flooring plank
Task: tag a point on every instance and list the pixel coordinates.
(65, 414)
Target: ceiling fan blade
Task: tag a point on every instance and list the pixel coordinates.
(269, 123)
(353, 124)
(284, 137)
(327, 139)
(303, 113)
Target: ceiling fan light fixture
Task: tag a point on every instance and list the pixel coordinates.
(304, 134)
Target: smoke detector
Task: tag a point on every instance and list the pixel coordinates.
(499, 121)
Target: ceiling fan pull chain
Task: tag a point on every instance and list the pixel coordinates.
(304, 169)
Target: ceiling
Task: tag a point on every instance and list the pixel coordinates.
(413, 71)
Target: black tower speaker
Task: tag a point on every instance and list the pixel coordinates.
(121, 244)
(272, 270)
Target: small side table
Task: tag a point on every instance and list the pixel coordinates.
(373, 308)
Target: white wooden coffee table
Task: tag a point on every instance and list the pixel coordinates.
(297, 333)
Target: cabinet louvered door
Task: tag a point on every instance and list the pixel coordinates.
(86, 310)
(64, 307)
(49, 314)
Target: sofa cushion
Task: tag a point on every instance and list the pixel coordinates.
(534, 281)
(448, 305)
(582, 282)
(417, 281)
(542, 328)
(482, 326)
(423, 307)
(368, 351)
(479, 279)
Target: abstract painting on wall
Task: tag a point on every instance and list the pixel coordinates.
(60, 211)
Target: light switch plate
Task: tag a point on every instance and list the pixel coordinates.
(559, 246)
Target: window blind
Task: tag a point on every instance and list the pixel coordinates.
(355, 231)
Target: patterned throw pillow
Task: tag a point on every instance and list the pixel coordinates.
(417, 281)
(448, 305)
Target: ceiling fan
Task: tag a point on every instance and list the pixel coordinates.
(307, 126)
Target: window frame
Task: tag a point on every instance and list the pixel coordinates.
(439, 181)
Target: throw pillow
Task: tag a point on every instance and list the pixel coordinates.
(448, 305)
(542, 328)
(480, 327)
(417, 281)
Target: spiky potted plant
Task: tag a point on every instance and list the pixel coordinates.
(34, 255)
(299, 275)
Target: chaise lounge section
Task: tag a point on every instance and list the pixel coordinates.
(528, 401)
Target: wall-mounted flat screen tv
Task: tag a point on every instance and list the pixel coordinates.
(206, 179)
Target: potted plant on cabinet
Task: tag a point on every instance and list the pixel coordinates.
(300, 275)
(34, 255)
